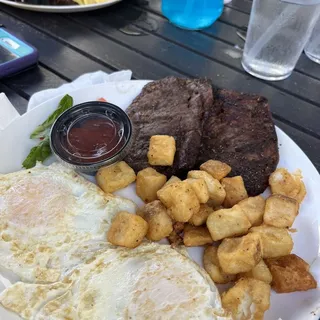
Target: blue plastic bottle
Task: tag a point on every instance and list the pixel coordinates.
(192, 14)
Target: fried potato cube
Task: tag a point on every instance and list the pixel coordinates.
(283, 182)
(199, 218)
(180, 199)
(276, 242)
(216, 168)
(302, 193)
(240, 254)
(149, 181)
(160, 224)
(290, 273)
(161, 150)
(175, 237)
(225, 223)
(196, 236)
(253, 207)
(212, 266)
(200, 188)
(235, 191)
(216, 192)
(172, 179)
(280, 211)
(115, 177)
(259, 272)
(248, 299)
(127, 230)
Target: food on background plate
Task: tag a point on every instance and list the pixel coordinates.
(212, 266)
(248, 299)
(52, 218)
(149, 181)
(207, 124)
(127, 230)
(290, 273)
(161, 150)
(151, 280)
(115, 177)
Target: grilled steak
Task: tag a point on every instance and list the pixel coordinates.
(174, 107)
(207, 124)
(239, 131)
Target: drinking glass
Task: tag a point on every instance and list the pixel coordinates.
(312, 49)
(192, 14)
(277, 34)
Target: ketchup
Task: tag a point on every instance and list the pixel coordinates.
(94, 137)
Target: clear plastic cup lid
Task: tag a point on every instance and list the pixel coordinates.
(91, 135)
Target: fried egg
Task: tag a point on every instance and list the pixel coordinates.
(51, 219)
(152, 281)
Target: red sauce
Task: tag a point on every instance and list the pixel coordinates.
(94, 137)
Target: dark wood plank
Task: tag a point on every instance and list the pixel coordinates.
(195, 65)
(17, 101)
(59, 58)
(240, 5)
(298, 84)
(100, 48)
(32, 81)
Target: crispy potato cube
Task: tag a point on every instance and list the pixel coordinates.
(161, 150)
(216, 191)
(216, 168)
(172, 179)
(115, 177)
(240, 254)
(235, 191)
(127, 230)
(302, 193)
(149, 181)
(225, 223)
(196, 236)
(283, 182)
(175, 237)
(253, 207)
(160, 224)
(200, 188)
(199, 218)
(212, 266)
(276, 242)
(290, 273)
(180, 199)
(259, 272)
(280, 211)
(248, 299)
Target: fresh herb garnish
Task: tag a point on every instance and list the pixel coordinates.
(42, 151)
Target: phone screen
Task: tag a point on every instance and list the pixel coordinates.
(6, 55)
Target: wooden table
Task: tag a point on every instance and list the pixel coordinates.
(134, 35)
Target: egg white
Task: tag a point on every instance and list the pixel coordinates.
(152, 281)
(51, 219)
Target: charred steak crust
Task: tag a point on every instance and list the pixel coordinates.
(239, 130)
(171, 106)
(206, 123)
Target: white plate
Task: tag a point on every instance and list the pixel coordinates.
(60, 9)
(15, 145)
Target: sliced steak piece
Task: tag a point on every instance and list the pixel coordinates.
(239, 131)
(174, 107)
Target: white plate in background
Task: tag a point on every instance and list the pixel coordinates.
(15, 145)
